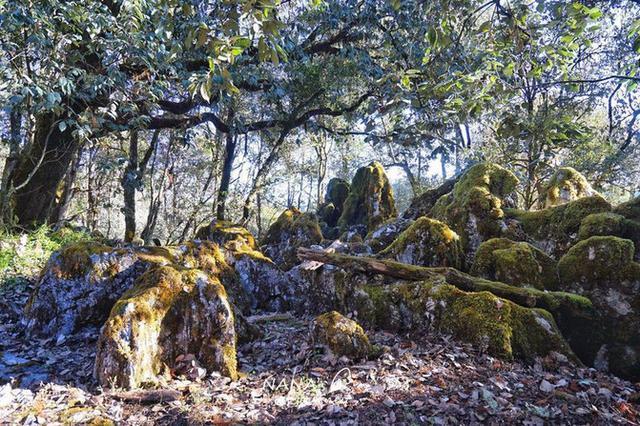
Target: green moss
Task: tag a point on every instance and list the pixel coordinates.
(343, 336)
(171, 310)
(629, 209)
(75, 259)
(515, 263)
(331, 210)
(566, 184)
(598, 260)
(492, 324)
(223, 232)
(557, 227)
(601, 224)
(427, 242)
(370, 201)
(291, 230)
(474, 208)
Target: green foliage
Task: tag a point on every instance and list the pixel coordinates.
(22, 256)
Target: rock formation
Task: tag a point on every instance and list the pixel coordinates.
(370, 201)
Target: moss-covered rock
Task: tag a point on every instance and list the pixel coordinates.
(603, 224)
(602, 268)
(497, 326)
(565, 185)
(423, 203)
(333, 206)
(223, 232)
(515, 263)
(291, 230)
(370, 201)
(427, 242)
(380, 238)
(555, 229)
(629, 209)
(474, 209)
(341, 335)
(170, 311)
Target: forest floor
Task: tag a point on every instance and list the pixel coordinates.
(285, 380)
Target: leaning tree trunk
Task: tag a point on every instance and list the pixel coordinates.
(41, 170)
(6, 186)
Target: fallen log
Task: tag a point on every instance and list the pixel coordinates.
(147, 396)
(558, 303)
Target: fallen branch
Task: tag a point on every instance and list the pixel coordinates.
(147, 396)
(553, 301)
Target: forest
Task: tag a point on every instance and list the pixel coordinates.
(319, 212)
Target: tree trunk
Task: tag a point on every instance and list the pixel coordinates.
(40, 172)
(62, 202)
(129, 185)
(225, 180)
(6, 186)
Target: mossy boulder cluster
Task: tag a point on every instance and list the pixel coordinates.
(462, 261)
(156, 304)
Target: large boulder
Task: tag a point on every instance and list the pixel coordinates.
(380, 238)
(82, 281)
(171, 311)
(370, 201)
(492, 324)
(423, 203)
(602, 224)
(555, 230)
(565, 185)
(427, 242)
(474, 209)
(292, 229)
(331, 210)
(602, 268)
(341, 335)
(629, 209)
(80, 284)
(516, 263)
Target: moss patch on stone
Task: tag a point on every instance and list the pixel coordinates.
(602, 224)
(170, 311)
(222, 232)
(515, 263)
(629, 209)
(565, 185)
(556, 228)
(370, 201)
(343, 336)
(497, 326)
(427, 242)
